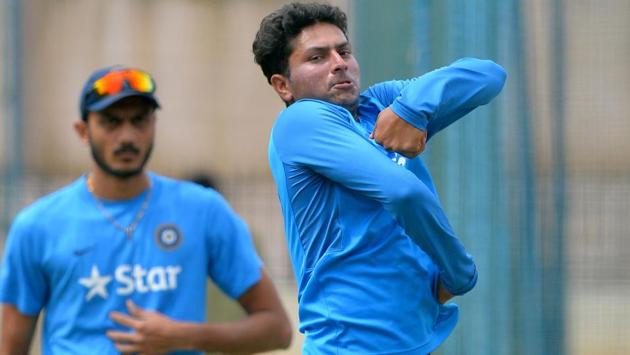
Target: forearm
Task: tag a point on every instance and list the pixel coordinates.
(12, 345)
(265, 327)
(261, 331)
(437, 99)
(17, 331)
(424, 221)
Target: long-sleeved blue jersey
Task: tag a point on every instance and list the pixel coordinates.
(367, 236)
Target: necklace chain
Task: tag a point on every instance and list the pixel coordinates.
(128, 230)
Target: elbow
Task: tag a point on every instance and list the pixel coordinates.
(279, 330)
(495, 76)
(490, 75)
(287, 338)
(276, 334)
(284, 334)
(465, 285)
(499, 78)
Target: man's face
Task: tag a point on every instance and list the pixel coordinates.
(321, 66)
(121, 136)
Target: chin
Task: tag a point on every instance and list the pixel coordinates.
(127, 174)
(126, 170)
(347, 101)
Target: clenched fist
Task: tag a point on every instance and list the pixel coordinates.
(395, 134)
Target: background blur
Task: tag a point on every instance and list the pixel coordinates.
(537, 184)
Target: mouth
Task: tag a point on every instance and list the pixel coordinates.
(127, 156)
(127, 149)
(343, 85)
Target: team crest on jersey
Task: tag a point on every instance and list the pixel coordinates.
(399, 159)
(168, 236)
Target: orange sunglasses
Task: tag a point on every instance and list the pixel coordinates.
(113, 82)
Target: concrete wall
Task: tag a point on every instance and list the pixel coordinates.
(217, 106)
(597, 84)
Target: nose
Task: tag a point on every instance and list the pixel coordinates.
(338, 62)
(128, 133)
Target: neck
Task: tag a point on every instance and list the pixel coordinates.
(113, 188)
(354, 110)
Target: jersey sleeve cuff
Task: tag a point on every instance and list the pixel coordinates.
(465, 288)
(419, 121)
(246, 282)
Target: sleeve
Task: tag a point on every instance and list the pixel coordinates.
(321, 137)
(22, 279)
(234, 264)
(434, 100)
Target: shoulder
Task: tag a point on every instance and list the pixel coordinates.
(384, 88)
(50, 208)
(59, 201)
(308, 118)
(186, 193)
(307, 106)
(309, 112)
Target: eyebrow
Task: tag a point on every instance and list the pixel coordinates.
(140, 113)
(345, 43)
(325, 48)
(109, 115)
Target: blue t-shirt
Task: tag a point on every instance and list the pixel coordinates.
(65, 257)
(367, 236)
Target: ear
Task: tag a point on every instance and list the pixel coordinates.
(81, 128)
(280, 83)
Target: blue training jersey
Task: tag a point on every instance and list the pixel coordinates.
(65, 257)
(367, 236)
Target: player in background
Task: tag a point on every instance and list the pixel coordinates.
(118, 260)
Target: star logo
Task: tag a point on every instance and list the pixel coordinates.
(96, 284)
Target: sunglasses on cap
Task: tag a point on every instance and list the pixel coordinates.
(113, 82)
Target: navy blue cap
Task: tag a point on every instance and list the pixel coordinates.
(91, 101)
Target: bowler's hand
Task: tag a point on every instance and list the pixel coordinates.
(149, 331)
(395, 134)
(443, 294)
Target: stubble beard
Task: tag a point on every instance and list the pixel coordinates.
(122, 174)
(350, 104)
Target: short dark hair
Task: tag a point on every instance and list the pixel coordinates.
(272, 46)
